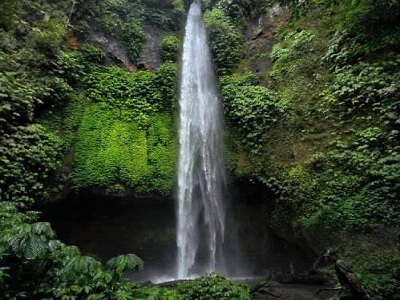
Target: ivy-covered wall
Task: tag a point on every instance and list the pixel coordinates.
(126, 135)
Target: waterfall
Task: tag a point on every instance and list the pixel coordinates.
(201, 174)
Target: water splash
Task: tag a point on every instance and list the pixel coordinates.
(201, 174)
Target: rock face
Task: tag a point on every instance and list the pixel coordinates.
(150, 57)
(112, 48)
(260, 39)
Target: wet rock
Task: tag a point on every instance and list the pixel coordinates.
(258, 34)
(144, 65)
(312, 278)
(112, 48)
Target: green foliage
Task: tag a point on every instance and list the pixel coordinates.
(166, 81)
(48, 36)
(121, 89)
(381, 277)
(98, 136)
(132, 95)
(179, 5)
(37, 266)
(354, 186)
(339, 104)
(109, 151)
(166, 15)
(239, 11)
(122, 263)
(105, 16)
(334, 147)
(364, 87)
(32, 36)
(225, 40)
(156, 293)
(76, 65)
(212, 287)
(297, 73)
(23, 91)
(37, 78)
(294, 45)
(72, 117)
(28, 156)
(252, 108)
(367, 26)
(235, 10)
(372, 25)
(132, 35)
(8, 17)
(169, 48)
(127, 134)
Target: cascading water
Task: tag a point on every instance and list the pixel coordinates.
(201, 174)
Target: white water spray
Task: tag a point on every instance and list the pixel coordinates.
(201, 174)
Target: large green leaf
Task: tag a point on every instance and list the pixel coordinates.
(123, 263)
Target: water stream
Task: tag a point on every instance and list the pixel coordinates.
(201, 174)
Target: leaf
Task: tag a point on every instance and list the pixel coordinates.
(123, 263)
(81, 264)
(43, 228)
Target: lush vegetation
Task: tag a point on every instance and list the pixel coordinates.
(320, 130)
(35, 265)
(126, 135)
(325, 126)
(350, 177)
(251, 107)
(225, 40)
(30, 83)
(170, 47)
(213, 287)
(52, 100)
(330, 87)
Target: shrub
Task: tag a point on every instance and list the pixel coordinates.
(48, 37)
(169, 48)
(212, 287)
(37, 266)
(133, 36)
(167, 86)
(28, 157)
(226, 41)
(252, 108)
(361, 87)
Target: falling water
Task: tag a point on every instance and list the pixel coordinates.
(201, 175)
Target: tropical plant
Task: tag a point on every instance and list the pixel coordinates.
(226, 41)
(211, 287)
(133, 36)
(169, 48)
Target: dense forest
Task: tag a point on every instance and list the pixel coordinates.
(88, 101)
